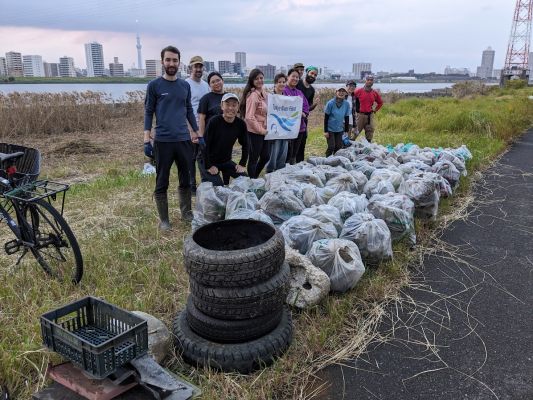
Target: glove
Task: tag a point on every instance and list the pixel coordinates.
(201, 141)
(148, 150)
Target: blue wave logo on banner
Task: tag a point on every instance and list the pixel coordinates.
(286, 123)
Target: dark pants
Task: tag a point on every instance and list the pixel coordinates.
(167, 154)
(300, 156)
(258, 154)
(227, 170)
(294, 147)
(195, 155)
(334, 143)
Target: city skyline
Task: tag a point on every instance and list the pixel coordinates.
(390, 35)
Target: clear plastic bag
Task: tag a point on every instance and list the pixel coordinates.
(343, 183)
(378, 186)
(280, 205)
(311, 196)
(397, 210)
(360, 180)
(239, 200)
(448, 171)
(240, 184)
(365, 167)
(340, 260)
(258, 215)
(209, 207)
(394, 176)
(371, 235)
(305, 176)
(349, 204)
(424, 193)
(325, 213)
(300, 232)
(330, 172)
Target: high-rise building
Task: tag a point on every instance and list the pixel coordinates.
(116, 68)
(209, 66)
(153, 68)
(51, 69)
(3, 66)
(66, 67)
(94, 54)
(32, 65)
(224, 67)
(361, 69)
(487, 64)
(14, 64)
(240, 58)
(139, 57)
(269, 71)
(236, 68)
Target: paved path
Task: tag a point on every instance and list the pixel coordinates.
(468, 331)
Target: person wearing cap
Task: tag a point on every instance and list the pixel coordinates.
(299, 67)
(306, 87)
(370, 102)
(169, 98)
(354, 108)
(254, 108)
(336, 121)
(221, 133)
(199, 88)
(291, 90)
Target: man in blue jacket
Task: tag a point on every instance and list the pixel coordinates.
(169, 98)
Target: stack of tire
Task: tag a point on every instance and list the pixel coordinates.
(235, 319)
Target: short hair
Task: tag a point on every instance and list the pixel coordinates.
(291, 71)
(279, 76)
(211, 74)
(172, 49)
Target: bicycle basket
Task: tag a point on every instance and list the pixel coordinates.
(28, 166)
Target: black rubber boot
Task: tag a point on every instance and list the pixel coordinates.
(161, 203)
(185, 203)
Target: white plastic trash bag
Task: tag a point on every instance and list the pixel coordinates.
(343, 183)
(258, 215)
(397, 210)
(280, 205)
(311, 196)
(349, 204)
(325, 213)
(148, 169)
(300, 232)
(340, 259)
(209, 207)
(239, 200)
(425, 195)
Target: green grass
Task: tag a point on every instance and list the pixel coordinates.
(129, 263)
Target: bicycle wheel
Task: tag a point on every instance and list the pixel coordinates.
(56, 248)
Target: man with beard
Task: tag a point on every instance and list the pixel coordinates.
(369, 103)
(199, 88)
(169, 98)
(305, 85)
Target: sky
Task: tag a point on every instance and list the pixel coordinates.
(424, 35)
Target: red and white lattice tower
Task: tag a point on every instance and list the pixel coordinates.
(516, 60)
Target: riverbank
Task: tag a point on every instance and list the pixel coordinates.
(130, 264)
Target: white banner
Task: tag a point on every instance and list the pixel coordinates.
(284, 116)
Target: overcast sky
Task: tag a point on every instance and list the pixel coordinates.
(393, 35)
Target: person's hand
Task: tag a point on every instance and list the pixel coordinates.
(240, 169)
(148, 136)
(201, 140)
(265, 132)
(194, 137)
(213, 170)
(326, 135)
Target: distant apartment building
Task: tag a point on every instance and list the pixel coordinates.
(153, 68)
(209, 66)
(484, 71)
(51, 70)
(136, 72)
(66, 67)
(456, 71)
(236, 68)
(240, 58)
(14, 64)
(497, 73)
(116, 68)
(269, 71)
(360, 70)
(225, 67)
(94, 55)
(3, 66)
(32, 66)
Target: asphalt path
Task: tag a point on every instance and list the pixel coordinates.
(464, 327)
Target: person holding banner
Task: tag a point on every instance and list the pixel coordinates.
(254, 110)
(336, 121)
(290, 90)
(278, 147)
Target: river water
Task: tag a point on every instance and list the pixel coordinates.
(118, 91)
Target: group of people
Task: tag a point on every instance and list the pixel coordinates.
(198, 123)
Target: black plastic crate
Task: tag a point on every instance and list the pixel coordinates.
(95, 335)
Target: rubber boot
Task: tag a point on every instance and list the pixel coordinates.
(161, 203)
(184, 195)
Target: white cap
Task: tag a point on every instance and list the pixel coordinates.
(228, 96)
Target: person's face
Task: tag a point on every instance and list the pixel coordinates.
(280, 84)
(340, 94)
(300, 71)
(350, 88)
(216, 84)
(259, 81)
(311, 76)
(230, 108)
(170, 63)
(196, 71)
(294, 77)
(369, 83)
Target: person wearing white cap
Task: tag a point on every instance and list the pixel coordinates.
(199, 88)
(221, 133)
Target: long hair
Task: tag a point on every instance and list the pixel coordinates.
(254, 73)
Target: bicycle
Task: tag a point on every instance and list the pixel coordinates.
(26, 207)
